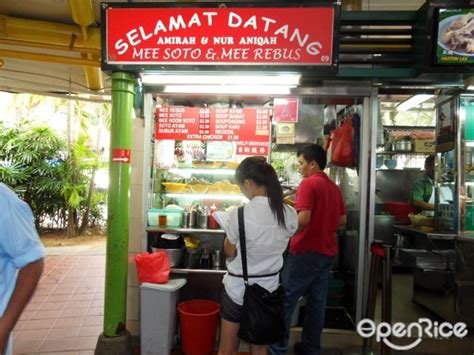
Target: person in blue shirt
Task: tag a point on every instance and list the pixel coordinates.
(21, 262)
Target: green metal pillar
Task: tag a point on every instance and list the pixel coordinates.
(115, 309)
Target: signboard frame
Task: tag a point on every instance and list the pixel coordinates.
(446, 110)
(249, 128)
(426, 37)
(137, 67)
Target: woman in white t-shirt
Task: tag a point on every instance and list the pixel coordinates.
(269, 223)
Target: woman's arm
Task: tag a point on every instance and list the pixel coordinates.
(229, 248)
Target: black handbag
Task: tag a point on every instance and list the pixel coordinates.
(262, 320)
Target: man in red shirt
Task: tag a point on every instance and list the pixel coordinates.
(321, 211)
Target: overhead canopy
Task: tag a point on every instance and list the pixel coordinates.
(53, 47)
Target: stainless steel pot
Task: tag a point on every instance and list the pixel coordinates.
(402, 146)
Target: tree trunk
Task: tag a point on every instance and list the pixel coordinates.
(71, 225)
(85, 216)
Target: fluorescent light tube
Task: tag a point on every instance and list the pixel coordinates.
(413, 102)
(469, 83)
(288, 79)
(228, 89)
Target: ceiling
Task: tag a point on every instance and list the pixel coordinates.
(42, 76)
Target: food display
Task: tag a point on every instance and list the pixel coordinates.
(455, 38)
(422, 222)
(201, 186)
(174, 187)
(457, 34)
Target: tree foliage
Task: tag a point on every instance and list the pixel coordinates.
(53, 179)
(31, 160)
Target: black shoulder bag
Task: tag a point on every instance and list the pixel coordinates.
(263, 321)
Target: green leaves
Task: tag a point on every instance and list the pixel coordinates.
(54, 172)
(11, 173)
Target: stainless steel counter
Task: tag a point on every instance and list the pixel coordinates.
(466, 237)
(430, 235)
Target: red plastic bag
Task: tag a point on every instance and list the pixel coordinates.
(153, 268)
(343, 145)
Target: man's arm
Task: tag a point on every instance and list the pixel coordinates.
(27, 281)
(416, 196)
(343, 220)
(304, 217)
(422, 205)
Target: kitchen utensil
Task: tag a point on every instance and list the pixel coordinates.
(175, 255)
(192, 218)
(402, 146)
(391, 163)
(186, 219)
(170, 241)
(216, 260)
(379, 161)
(203, 220)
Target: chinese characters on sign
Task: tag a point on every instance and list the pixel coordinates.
(250, 127)
(295, 36)
(252, 148)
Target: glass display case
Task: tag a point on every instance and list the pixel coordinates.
(446, 190)
(186, 188)
(466, 193)
(447, 177)
(454, 178)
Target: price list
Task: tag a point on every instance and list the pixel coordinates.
(262, 127)
(242, 125)
(204, 121)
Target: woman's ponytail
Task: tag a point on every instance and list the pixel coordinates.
(263, 174)
(275, 194)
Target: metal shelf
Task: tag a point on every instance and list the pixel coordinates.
(205, 196)
(466, 237)
(409, 128)
(185, 230)
(202, 171)
(430, 235)
(402, 153)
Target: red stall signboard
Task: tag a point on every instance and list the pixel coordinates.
(273, 36)
(248, 126)
(285, 109)
(121, 155)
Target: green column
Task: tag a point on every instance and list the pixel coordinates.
(115, 308)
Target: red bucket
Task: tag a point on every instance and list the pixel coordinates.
(400, 210)
(198, 325)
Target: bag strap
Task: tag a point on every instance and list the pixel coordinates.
(243, 248)
(254, 276)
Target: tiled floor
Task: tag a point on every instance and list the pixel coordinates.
(65, 316)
